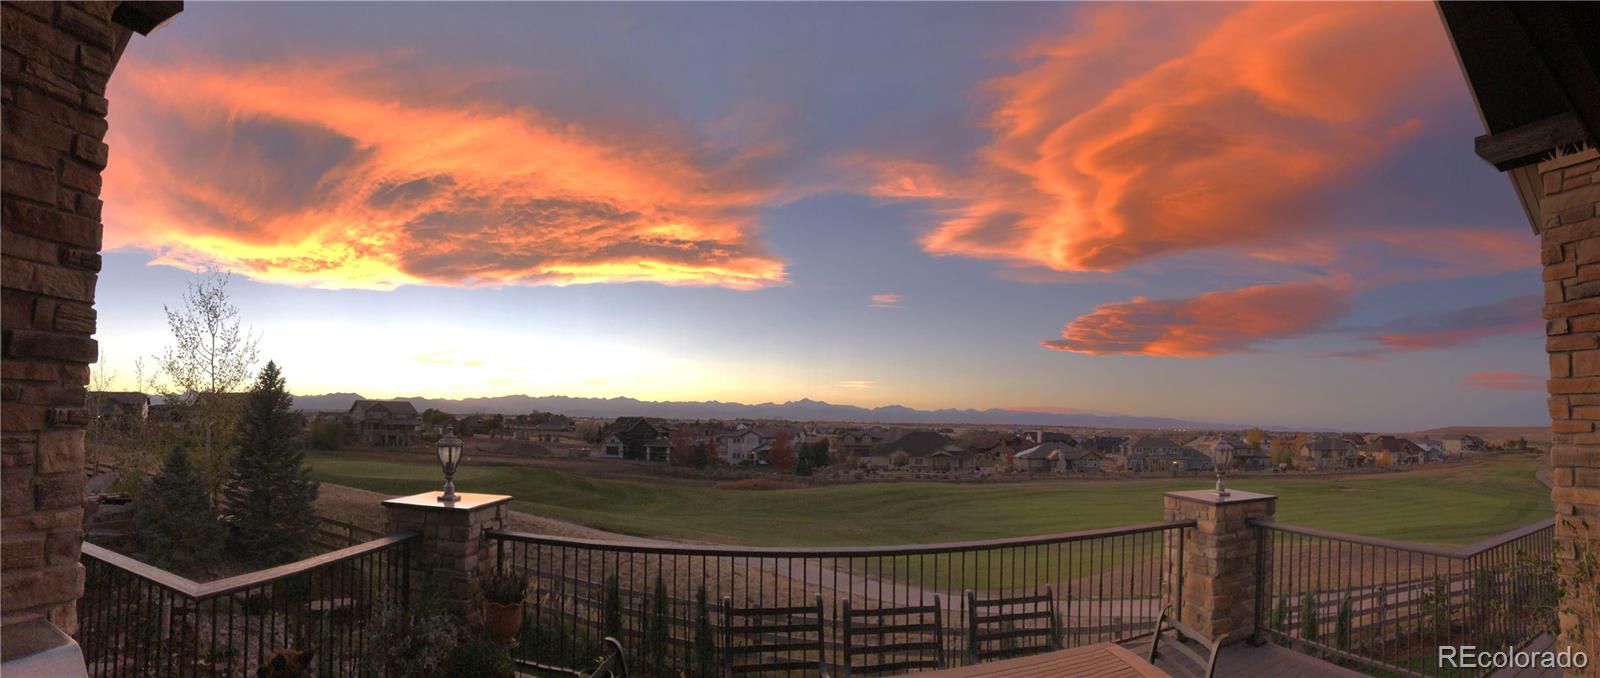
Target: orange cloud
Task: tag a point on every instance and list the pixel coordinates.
(1152, 132)
(1207, 325)
(331, 174)
(884, 301)
(1503, 381)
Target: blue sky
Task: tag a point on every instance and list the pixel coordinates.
(701, 202)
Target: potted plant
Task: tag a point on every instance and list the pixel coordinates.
(502, 606)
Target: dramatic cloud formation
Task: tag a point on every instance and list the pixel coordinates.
(364, 174)
(1503, 381)
(1153, 131)
(884, 301)
(1207, 325)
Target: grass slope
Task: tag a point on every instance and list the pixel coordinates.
(1455, 506)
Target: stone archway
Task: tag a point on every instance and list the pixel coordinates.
(57, 60)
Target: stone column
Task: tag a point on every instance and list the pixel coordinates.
(1219, 560)
(452, 554)
(57, 59)
(1569, 228)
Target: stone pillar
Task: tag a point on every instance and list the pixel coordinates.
(1219, 560)
(1569, 229)
(57, 59)
(453, 554)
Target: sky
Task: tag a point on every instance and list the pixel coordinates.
(1258, 214)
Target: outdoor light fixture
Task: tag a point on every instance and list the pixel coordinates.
(450, 455)
(1220, 462)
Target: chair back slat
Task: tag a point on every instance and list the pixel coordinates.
(765, 639)
(1182, 634)
(996, 628)
(887, 654)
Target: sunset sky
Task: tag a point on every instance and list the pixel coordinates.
(1257, 214)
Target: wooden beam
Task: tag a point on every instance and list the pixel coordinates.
(1531, 143)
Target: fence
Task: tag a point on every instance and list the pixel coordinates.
(1389, 605)
(665, 601)
(138, 620)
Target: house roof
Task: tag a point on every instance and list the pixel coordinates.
(394, 408)
(1392, 445)
(920, 443)
(1154, 443)
(1042, 451)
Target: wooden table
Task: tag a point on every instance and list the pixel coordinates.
(1103, 660)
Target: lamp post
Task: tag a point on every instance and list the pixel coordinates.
(449, 448)
(1220, 460)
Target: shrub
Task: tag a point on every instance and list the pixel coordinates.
(413, 642)
(1308, 616)
(705, 660)
(479, 656)
(505, 589)
(1341, 627)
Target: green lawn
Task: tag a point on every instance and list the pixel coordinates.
(1467, 504)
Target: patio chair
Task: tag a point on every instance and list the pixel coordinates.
(774, 638)
(1182, 636)
(615, 664)
(924, 622)
(1010, 627)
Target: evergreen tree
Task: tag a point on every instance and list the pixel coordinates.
(174, 526)
(705, 660)
(270, 514)
(1341, 627)
(1308, 616)
(611, 614)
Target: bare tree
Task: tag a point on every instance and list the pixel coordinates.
(201, 374)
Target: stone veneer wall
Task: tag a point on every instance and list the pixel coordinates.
(57, 59)
(1570, 234)
(1219, 557)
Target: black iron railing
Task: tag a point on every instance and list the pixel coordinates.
(665, 601)
(139, 620)
(1389, 605)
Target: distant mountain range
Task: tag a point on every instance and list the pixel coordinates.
(794, 410)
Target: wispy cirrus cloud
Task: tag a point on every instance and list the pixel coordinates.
(1206, 325)
(1448, 329)
(339, 173)
(857, 384)
(1503, 381)
(884, 301)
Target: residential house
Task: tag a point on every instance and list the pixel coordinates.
(988, 448)
(121, 405)
(384, 423)
(1325, 452)
(1155, 453)
(928, 450)
(1463, 443)
(752, 443)
(859, 444)
(1038, 459)
(646, 438)
(1392, 451)
(1077, 459)
(1432, 450)
(1239, 454)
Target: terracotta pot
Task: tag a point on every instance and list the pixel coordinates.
(503, 620)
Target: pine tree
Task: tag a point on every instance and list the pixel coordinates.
(705, 660)
(174, 526)
(271, 518)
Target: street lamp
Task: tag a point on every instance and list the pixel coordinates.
(1220, 460)
(449, 447)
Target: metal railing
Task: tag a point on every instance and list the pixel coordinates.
(138, 620)
(664, 601)
(1389, 605)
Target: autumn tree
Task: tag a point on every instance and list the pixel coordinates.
(201, 373)
(781, 454)
(1254, 436)
(709, 454)
(683, 447)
